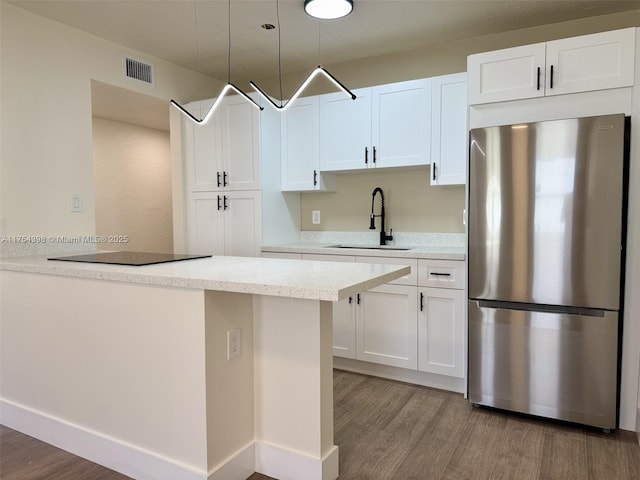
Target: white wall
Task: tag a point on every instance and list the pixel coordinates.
(132, 182)
(46, 149)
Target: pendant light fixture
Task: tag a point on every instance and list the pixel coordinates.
(317, 71)
(328, 9)
(226, 88)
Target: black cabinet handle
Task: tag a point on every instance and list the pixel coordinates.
(421, 301)
(551, 81)
(439, 274)
(538, 87)
(225, 179)
(374, 155)
(218, 202)
(315, 178)
(225, 203)
(358, 299)
(366, 155)
(434, 171)
(350, 300)
(218, 178)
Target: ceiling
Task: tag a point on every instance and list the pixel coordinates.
(194, 33)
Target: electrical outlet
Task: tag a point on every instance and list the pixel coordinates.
(234, 343)
(315, 217)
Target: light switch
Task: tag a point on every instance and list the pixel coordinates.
(315, 217)
(76, 203)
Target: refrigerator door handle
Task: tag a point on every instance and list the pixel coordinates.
(529, 307)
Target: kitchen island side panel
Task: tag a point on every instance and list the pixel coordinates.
(124, 363)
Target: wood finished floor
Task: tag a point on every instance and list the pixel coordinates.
(393, 431)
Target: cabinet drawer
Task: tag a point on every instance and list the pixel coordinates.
(441, 273)
(317, 257)
(411, 279)
(285, 255)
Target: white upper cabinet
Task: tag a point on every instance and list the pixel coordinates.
(386, 126)
(509, 74)
(226, 150)
(345, 130)
(449, 129)
(300, 148)
(240, 133)
(591, 62)
(578, 64)
(401, 124)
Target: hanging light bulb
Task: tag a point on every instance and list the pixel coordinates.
(318, 70)
(225, 89)
(328, 9)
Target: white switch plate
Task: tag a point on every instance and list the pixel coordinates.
(234, 343)
(315, 217)
(76, 203)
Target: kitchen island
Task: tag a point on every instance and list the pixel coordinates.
(132, 367)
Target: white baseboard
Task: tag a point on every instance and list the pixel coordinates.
(115, 454)
(441, 382)
(239, 466)
(286, 464)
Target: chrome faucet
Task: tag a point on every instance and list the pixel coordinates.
(383, 235)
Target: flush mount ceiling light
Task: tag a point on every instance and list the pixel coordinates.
(227, 87)
(328, 9)
(318, 70)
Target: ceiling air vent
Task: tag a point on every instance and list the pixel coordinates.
(138, 70)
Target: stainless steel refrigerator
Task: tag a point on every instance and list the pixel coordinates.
(546, 247)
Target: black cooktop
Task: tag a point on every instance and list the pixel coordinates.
(128, 258)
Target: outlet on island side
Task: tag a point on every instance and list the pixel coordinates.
(234, 343)
(315, 217)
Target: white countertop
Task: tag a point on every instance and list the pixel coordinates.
(262, 276)
(440, 252)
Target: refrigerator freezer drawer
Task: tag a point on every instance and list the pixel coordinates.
(554, 365)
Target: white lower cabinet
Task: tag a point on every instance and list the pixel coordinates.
(386, 326)
(416, 323)
(441, 331)
(225, 223)
(441, 317)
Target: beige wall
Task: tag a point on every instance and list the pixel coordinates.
(132, 181)
(411, 204)
(446, 58)
(417, 206)
(46, 148)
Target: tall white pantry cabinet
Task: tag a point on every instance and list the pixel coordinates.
(222, 179)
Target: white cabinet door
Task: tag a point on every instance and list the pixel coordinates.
(591, 62)
(205, 223)
(344, 328)
(242, 223)
(441, 331)
(344, 313)
(401, 124)
(301, 150)
(224, 153)
(225, 223)
(508, 74)
(202, 154)
(386, 326)
(449, 129)
(240, 134)
(345, 131)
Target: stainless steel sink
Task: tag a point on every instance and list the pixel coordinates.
(369, 247)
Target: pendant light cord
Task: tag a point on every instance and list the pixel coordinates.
(279, 50)
(229, 43)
